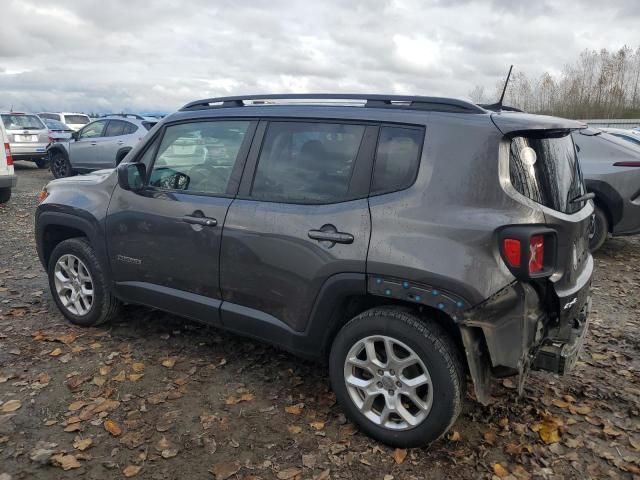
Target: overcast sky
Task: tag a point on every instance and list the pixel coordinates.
(115, 55)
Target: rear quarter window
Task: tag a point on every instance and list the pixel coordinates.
(397, 159)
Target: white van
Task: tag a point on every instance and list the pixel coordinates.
(75, 121)
(8, 179)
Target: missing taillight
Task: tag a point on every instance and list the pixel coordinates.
(536, 253)
(529, 251)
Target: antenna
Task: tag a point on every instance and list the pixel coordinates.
(504, 90)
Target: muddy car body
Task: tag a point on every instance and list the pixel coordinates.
(409, 240)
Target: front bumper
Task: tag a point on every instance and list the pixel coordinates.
(8, 181)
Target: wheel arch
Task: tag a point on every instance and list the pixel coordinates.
(608, 199)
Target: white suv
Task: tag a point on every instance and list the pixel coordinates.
(8, 179)
(75, 121)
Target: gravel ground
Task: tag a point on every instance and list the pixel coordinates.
(154, 396)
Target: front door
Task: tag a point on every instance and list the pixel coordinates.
(164, 242)
(84, 153)
(301, 217)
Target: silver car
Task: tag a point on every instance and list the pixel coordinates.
(611, 170)
(28, 137)
(102, 143)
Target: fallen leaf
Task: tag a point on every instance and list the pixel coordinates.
(609, 430)
(66, 462)
(138, 367)
(99, 381)
(120, 377)
(56, 352)
(82, 444)
(169, 362)
(169, 453)
(288, 473)
(294, 409)
(131, 471)
(500, 471)
(399, 454)
(294, 429)
(112, 427)
(76, 405)
(133, 440)
(245, 397)
(455, 436)
(489, 437)
(558, 403)
(74, 382)
(134, 377)
(317, 425)
(43, 379)
(66, 339)
(157, 398)
(547, 429)
(10, 406)
(222, 471)
(581, 409)
(106, 406)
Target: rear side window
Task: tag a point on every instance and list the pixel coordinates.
(545, 169)
(76, 119)
(148, 125)
(397, 159)
(22, 122)
(304, 162)
(115, 128)
(129, 128)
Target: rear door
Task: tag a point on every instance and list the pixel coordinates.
(301, 216)
(84, 152)
(114, 139)
(164, 241)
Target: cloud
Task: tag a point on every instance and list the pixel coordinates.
(141, 56)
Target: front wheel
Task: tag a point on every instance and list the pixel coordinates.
(42, 163)
(60, 166)
(78, 284)
(399, 378)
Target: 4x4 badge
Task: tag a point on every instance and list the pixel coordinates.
(570, 304)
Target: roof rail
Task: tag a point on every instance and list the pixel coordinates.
(497, 107)
(125, 115)
(404, 102)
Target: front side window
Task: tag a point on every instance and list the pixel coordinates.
(198, 157)
(93, 130)
(22, 122)
(545, 169)
(306, 162)
(50, 116)
(397, 159)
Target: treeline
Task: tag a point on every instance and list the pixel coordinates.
(604, 84)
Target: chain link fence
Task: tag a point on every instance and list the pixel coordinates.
(625, 123)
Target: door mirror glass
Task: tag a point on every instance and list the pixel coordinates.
(75, 135)
(131, 176)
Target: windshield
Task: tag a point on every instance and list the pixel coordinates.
(55, 124)
(76, 119)
(21, 122)
(545, 169)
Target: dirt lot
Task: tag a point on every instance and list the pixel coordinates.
(157, 397)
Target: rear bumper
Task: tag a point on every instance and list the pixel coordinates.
(8, 181)
(30, 151)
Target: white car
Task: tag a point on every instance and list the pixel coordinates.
(8, 179)
(75, 121)
(632, 136)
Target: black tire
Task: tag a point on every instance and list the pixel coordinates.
(105, 306)
(5, 195)
(437, 351)
(599, 229)
(42, 163)
(59, 165)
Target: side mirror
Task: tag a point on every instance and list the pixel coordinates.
(75, 135)
(131, 176)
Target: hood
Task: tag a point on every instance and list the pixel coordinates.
(98, 176)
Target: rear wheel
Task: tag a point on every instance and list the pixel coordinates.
(599, 229)
(5, 195)
(42, 162)
(400, 379)
(60, 166)
(78, 284)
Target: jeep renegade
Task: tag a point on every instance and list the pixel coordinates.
(409, 241)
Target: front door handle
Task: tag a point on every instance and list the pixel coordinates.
(93, 144)
(204, 221)
(330, 235)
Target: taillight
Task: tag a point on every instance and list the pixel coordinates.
(511, 251)
(626, 164)
(7, 153)
(536, 253)
(529, 251)
(51, 139)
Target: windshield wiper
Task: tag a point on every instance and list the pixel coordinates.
(583, 198)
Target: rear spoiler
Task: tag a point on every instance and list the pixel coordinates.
(511, 122)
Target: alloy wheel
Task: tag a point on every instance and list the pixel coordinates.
(74, 285)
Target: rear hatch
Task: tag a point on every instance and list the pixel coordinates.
(543, 167)
(26, 132)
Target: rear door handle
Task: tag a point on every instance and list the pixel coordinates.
(330, 236)
(120, 142)
(93, 144)
(204, 221)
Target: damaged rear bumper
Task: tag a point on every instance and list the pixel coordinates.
(512, 333)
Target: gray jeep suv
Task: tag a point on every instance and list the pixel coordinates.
(409, 241)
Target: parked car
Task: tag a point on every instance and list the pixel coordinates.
(100, 144)
(73, 120)
(408, 240)
(628, 135)
(611, 169)
(58, 131)
(8, 179)
(28, 137)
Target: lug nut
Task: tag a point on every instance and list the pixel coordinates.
(380, 372)
(392, 372)
(391, 392)
(379, 384)
(399, 383)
